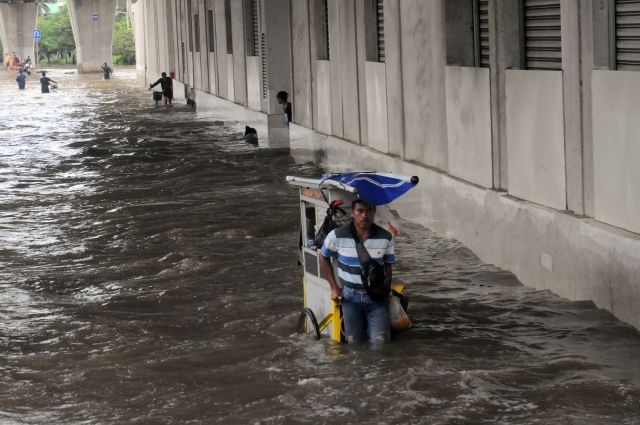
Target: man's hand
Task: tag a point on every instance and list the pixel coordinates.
(336, 294)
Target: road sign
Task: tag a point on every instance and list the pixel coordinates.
(36, 34)
(94, 16)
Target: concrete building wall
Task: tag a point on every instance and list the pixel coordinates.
(394, 81)
(323, 97)
(535, 137)
(424, 82)
(510, 160)
(616, 148)
(469, 124)
(239, 54)
(301, 40)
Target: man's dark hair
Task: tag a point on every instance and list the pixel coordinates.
(361, 201)
(283, 95)
(164, 74)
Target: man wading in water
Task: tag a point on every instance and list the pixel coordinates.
(45, 81)
(167, 87)
(362, 316)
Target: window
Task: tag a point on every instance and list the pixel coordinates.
(481, 32)
(210, 31)
(196, 30)
(542, 34)
(374, 28)
(627, 34)
(263, 64)
(227, 19)
(320, 25)
(190, 26)
(252, 27)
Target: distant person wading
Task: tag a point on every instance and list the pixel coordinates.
(106, 69)
(45, 82)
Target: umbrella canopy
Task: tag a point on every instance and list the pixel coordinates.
(374, 188)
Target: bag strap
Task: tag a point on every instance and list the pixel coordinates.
(363, 254)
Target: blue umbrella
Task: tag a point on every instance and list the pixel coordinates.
(373, 188)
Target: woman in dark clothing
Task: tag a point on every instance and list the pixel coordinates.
(167, 87)
(45, 81)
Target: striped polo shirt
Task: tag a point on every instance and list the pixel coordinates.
(340, 244)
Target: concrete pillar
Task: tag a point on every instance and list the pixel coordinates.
(573, 99)
(505, 41)
(92, 22)
(276, 24)
(17, 21)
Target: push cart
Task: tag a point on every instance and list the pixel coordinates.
(333, 194)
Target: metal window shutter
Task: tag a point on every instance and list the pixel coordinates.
(542, 34)
(628, 34)
(483, 12)
(263, 64)
(326, 29)
(481, 33)
(380, 22)
(255, 27)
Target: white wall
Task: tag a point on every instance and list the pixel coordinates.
(376, 96)
(424, 82)
(469, 124)
(616, 148)
(323, 97)
(535, 137)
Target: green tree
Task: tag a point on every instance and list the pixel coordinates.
(124, 49)
(57, 35)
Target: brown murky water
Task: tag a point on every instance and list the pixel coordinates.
(148, 275)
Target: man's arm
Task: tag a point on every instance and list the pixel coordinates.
(327, 268)
(388, 269)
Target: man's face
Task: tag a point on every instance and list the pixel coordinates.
(363, 215)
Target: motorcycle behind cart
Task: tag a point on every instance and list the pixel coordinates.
(332, 196)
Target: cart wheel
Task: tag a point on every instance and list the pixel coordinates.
(307, 323)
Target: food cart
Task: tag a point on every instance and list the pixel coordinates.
(333, 194)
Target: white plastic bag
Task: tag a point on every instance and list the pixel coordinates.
(399, 318)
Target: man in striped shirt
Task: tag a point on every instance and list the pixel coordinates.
(363, 317)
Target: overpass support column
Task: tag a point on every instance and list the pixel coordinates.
(17, 21)
(92, 22)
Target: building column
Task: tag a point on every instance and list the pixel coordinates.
(17, 21)
(276, 25)
(92, 22)
(505, 39)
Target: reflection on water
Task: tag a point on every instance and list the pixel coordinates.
(148, 275)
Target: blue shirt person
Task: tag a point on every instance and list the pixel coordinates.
(363, 317)
(22, 81)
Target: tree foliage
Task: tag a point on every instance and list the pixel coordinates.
(124, 49)
(57, 36)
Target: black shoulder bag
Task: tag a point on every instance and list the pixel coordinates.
(374, 276)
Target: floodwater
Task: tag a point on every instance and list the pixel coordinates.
(148, 275)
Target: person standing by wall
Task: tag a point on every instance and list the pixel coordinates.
(167, 87)
(283, 97)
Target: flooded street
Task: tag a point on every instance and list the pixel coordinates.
(148, 275)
